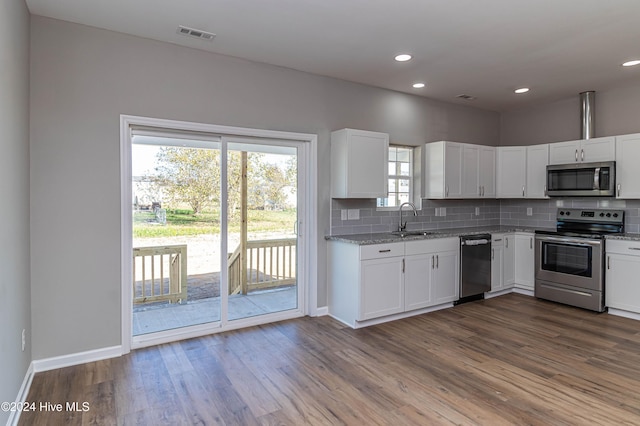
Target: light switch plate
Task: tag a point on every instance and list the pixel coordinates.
(477, 211)
(343, 214)
(353, 214)
(529, 211)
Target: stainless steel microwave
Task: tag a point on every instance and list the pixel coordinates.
(582, 180)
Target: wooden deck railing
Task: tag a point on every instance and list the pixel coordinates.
(269, 264)
(160, 274)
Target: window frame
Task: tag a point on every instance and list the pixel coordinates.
(397, 177)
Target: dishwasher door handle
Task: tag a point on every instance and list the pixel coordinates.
(475, 242)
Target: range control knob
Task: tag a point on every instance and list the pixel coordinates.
(561, 213)
(601, 214)
(615, 215)
(568, 213)
(608, 214)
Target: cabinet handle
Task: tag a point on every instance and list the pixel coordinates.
(618, 190)
(545, 191)
(634, 248)
(608, 262)
(492, 254)
(403, 266)
(576, 155)
(479, 191)
(531, 243)
(523, 190)
(498, 239)
(447, 192)
(437, 261)
(384, 251)
(433, 260)
(506, 242)
(483, 190)
(582, 155)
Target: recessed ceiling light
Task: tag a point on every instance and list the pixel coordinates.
(418, 85)
(522, 90)
(631, 63)
(403, 58)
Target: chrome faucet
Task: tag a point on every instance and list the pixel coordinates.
(403, 226)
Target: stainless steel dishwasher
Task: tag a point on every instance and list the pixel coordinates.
(475, 267)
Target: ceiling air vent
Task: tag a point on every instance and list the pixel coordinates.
(466, 97)
(192, 32)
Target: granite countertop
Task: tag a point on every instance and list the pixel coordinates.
(388, 237)
(624, 236)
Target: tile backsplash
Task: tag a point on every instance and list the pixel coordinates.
(462, 213)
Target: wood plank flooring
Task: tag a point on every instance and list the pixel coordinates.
(508, 360)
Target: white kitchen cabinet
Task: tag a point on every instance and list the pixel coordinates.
(382, 288)
(374, 281)
(511, 171)
(583, 151)
(537, 161)
(627, 170)
(445, 280)
(470, 170)
(442, 165)
(497, 262)
(623, 270)
(509, 260)
(524, 265)
(359, 164)
(487, 172)
(431, 272)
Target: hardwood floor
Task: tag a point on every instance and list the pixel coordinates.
(508, 360)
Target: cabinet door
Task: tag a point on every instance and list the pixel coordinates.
(512, 166)
(537, 160)
(497, 274)
(627, 170)
(487, 171)
(381, 288)
(598, 149)
(509, 259)
(453, 170)
(524, 261)
(470, 163)
(417, 281)
(623, 292)
(446, 279)
(564, 152)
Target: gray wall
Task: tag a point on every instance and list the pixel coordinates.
(616, 113)
(84, 78)
(15, 312)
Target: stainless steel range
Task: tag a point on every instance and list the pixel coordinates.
(570, 261)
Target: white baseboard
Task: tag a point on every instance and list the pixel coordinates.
(322, 311)
(76, 358)
(22, 395)
(623, 313)
(523, 291)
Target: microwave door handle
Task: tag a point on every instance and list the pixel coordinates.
(596, 179)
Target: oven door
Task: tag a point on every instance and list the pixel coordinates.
(570, 261)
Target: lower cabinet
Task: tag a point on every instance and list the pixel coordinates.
(623, 270)
(524, 260)
(374, 281)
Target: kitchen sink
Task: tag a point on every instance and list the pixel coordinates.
(403, 234)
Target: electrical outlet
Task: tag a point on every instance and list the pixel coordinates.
(353, 214)
(24, 339)
(343, 214)
(477, 211)
(443, 211)
(529, 211)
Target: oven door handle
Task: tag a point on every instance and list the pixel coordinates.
(596, 179)
(574, 241)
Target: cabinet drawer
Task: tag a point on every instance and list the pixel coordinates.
(497, 240)
(381, 251)
(630, 248)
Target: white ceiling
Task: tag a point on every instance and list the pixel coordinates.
(483, 48)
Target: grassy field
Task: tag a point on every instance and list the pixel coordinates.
(184, 222)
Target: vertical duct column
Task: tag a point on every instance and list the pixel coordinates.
(587, 115)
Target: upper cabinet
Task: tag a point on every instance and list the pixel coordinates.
(359, 164)
(522, 171)
(512, 171)
(627, 170)
(458, 170)
(586, 150)
(537, 161)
